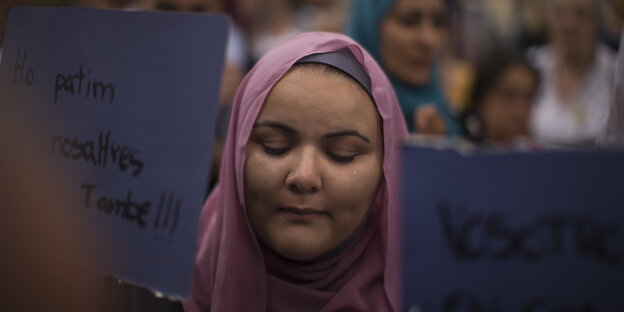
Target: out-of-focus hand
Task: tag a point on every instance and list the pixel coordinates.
(428, 120)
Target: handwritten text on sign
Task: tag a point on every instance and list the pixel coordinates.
(76, 84)
(516, 232)
(102, 151)
(129, 118)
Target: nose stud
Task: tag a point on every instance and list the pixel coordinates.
(289, 174)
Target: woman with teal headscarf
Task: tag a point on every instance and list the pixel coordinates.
(406, 36)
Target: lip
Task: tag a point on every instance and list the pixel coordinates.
(301, 214)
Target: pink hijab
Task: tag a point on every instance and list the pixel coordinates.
(234, 273)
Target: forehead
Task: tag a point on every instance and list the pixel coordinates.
(306, 96)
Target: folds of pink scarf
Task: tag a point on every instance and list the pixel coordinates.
(234, 273)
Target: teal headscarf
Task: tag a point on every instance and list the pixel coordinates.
(364, 24)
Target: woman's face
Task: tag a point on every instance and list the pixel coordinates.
(573, 24)
(411, 36)
(505, 109)
(313, 163)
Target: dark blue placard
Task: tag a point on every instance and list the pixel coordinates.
(513, 232)
(124, 103)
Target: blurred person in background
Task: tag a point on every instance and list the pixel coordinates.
(503, 19)
(471, 32)
(406, 37)
(501, 98)
(475, 25)
(577, 76)
(268, 22)
(321, 15)
(532, 30)
(614, 132)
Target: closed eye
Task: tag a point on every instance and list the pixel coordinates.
(275, 151)
(341, 159)
(413, 19)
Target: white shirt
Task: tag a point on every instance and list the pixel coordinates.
(614, 132)
(578, 121)
(236, 49)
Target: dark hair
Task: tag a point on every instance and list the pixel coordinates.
(489, 69)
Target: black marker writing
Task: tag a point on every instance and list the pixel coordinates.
(477, 236)
(167, 215)
(125, 208)
(73, 84)
(97, 152)
(21, 71)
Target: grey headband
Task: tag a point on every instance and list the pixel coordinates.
(345, 61)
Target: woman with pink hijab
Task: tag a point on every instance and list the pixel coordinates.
(305, 216)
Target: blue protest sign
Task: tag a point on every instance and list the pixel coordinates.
(513, 232)
(125, 103)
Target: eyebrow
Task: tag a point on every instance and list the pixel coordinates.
(332, 135)
(276, 125)
(346, 133)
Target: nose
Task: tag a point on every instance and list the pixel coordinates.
(428, 36)
(305, 176)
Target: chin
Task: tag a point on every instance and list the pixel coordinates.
(298, 249)
(298, 252)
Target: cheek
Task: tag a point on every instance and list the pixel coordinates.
(260, 176)
(492, 113)
(524, 111)
(356, 188)
(391, 42)
(439, 40)
(393, 35)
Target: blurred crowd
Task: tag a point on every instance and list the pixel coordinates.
(496, 72)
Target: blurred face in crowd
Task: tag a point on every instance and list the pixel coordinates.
(262, 12)
(411, 35)
(505, 109)
(573, 25)
(313, 163)
(187, 5)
